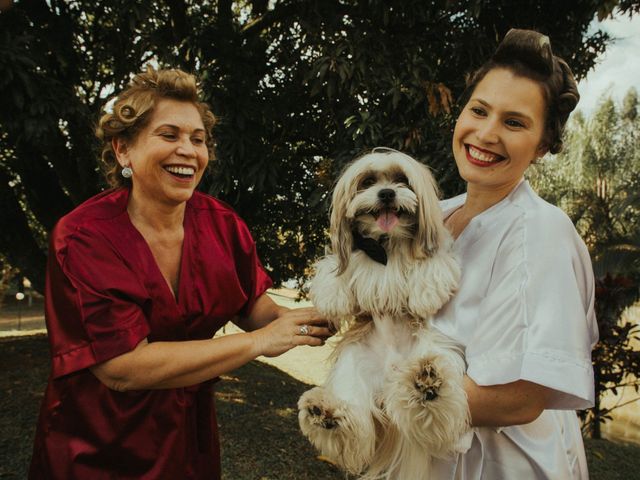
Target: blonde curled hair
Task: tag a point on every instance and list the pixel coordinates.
(134, 107)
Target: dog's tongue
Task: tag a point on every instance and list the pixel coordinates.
(387, 220)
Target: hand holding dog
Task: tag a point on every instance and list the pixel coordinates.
(300, 326)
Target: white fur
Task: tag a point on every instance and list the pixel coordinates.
(370, 417)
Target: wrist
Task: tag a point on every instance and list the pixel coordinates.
(256, 343)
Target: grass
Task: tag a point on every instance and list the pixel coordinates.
(258, 422)
(612, 461)
(259, 428)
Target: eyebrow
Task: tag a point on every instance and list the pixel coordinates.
(510, 113)
(175, 127)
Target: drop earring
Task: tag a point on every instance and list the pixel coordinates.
(127, 172)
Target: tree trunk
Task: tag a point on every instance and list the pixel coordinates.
(595, 427)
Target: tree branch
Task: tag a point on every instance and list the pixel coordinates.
(604, 411)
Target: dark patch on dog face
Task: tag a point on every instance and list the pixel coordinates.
(367, 179)
(395, 175)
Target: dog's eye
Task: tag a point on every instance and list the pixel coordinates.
(401, 179)
(368, 181)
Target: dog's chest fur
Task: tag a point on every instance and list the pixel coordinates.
(377, 288)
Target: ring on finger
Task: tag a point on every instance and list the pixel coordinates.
(303, 330)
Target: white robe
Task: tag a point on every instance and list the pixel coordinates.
(524, 311)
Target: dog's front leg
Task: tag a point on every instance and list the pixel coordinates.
(338, 418)
(432, 282)
(331, 293)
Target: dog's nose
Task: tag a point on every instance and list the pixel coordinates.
(387, 195)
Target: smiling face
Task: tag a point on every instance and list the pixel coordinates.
(384, 202)
(168, 156)
(500, 131)
(386, 195)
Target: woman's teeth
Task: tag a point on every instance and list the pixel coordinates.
(186, 171)
(483, 156)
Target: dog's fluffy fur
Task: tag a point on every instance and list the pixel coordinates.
(394, 398)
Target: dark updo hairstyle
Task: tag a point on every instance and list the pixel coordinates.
(528, 54)
(134, 107)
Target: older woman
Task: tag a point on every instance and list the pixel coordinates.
(524, 311)
(139, 280)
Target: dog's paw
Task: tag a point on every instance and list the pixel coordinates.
(318, 408)
(425, 399)
(343, 433)
(323, 417)
(427, 381)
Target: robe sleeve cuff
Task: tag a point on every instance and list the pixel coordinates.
(571, 379)
(98, 351)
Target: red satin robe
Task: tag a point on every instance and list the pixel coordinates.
(104, 294)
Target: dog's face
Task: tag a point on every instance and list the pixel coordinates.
(385, 202)
(386, 193)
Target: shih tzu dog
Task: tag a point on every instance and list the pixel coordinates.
(394, 398)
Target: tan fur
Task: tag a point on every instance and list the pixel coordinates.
(431, 232)
(355, 332)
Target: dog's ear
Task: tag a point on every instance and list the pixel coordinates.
(431, 230)
(340, 226)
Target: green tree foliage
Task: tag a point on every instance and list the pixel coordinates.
(300, 88)
(596, 180)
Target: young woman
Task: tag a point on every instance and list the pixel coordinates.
(524, 310)
(139, 280)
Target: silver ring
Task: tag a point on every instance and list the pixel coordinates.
(303, 330)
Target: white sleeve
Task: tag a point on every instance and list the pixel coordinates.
(537, 321)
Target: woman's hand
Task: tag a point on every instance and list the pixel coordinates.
(300, 326)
